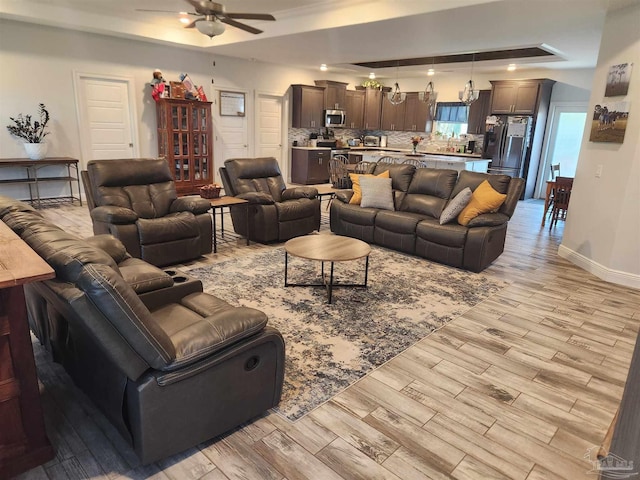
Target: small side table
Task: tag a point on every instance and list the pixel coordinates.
(219, 204)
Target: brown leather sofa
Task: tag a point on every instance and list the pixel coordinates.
(420, 196)
(277, 213)
(168, 365)
(135, 201)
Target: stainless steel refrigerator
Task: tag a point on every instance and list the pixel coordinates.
(506, 144)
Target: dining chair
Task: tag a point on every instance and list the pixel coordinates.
(364, 167)
(415, 162)
(338, 173)
(387, 160)
(561, 196)
(555, 171)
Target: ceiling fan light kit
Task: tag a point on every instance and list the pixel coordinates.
(210, 27)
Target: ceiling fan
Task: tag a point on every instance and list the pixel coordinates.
(212, 17)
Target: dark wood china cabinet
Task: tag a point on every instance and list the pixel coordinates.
(185, 140)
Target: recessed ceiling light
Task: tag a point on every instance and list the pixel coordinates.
(323, 67)
(431, 72)
(372, 75)
(184, 20)
(511, 67)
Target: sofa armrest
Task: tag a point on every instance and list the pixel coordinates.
(488, 220)
(257, 198)
(113, 214)
(299, 192)
(344, 195)
(192, 203)
(109, 244)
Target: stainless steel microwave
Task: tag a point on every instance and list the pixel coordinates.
(335, 118)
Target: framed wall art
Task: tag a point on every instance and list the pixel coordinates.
(609, 122)
(618, 80)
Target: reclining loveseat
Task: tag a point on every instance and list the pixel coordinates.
(411, 223)
(168, 365)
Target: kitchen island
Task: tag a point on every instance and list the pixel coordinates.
(453, 161)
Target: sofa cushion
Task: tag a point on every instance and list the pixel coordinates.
(376, 193)
(500, 183)
(357, 215)
(142, 276)
(399, 222)
(175, 226)
(455, 206)
(401, 174)
(450, 234)
(483, 200)
(356, 198)
(429, 191)
(202, 324)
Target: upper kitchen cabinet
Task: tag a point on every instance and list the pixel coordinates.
(354, 100)
(308, 106)
(416, 114)
(334, 94)
(372, 108)
(478, 112)
(392, 115)
(519, 97)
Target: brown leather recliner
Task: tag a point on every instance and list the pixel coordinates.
(277, 213)
(136, 202)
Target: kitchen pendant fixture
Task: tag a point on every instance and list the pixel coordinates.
(429, 96)
(395, 96)
(469, 94)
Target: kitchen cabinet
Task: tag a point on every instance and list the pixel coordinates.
(392, 115)
(355, 157)
(416, 114)
(478, 112)
(372, 108)
(354, 100)
(334, 94)
(310, 166)
(308, 106)
(519, 97)
(185, 140)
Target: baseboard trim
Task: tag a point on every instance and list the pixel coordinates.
(614, 276)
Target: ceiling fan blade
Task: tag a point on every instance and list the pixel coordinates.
(239, 25)
(162, 11)
(250, 16)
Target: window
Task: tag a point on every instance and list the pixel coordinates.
(451, 118)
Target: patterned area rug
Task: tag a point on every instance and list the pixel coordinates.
(329, 347)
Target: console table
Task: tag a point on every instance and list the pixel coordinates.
(23, 441)
(34, 177)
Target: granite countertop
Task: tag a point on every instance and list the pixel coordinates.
(312, 148)
(393, 149)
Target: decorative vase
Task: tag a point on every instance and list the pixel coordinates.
(36, 151)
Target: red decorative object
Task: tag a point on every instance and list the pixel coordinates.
(210, 191)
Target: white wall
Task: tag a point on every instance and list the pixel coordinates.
(602, 233)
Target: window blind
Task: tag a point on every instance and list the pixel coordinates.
(452, 112)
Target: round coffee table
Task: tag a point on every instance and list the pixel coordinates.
(326, 248)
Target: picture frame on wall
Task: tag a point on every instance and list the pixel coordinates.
(609, 121)
(618, 80)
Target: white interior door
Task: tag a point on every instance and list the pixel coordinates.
(269, 129)
(105, 110)
(562, 142)
(230, 138)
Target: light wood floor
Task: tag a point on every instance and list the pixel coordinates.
(519, 387)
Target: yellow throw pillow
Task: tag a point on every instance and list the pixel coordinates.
(357, 191)
(484, 200)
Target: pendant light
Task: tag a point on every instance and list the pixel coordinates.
(429, 95)
(395, 96)
(469, 94)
